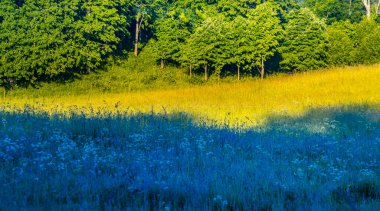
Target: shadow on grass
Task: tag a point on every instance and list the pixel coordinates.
(327, 159)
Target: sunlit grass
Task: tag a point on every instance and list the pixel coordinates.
(249, 102)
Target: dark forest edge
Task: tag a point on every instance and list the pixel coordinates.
(46, 40)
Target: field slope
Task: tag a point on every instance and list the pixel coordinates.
(315, 145)
(250, 102)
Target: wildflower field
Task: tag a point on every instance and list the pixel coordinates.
(309, 141)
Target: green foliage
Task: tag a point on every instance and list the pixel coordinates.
(368, 41)
(171, 32)
(239, 36)
(337, 10)
(130, 75)
(45, 38)
(242, 41)
(264, 33)
(203, 42)
(304, 45)
(341, 45)
(53, 40)
(100, 29)
(357, 43)
(233, 8)
(220, 47)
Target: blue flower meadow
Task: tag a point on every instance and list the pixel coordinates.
(327, 159)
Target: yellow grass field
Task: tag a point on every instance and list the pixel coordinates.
(249, 102)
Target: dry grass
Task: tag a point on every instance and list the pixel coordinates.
(249, 102)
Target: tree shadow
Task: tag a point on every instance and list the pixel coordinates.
(340, 122)
(327, 158)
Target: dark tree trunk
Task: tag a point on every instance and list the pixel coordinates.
(206, 75)
(190, 70)
(10, 85)
(162, 64)
(238, 72)
(262, 69)
(137, 38)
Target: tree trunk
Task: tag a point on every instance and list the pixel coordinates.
(367, 5)
(206, 76)
(137, 37)
(11, 83)
(262, 69)
(238, 72)
(162, 64)
(349, 11)
(377, 7)
(190, 70)
(369, 13)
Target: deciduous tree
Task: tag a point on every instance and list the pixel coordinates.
(42, 39)
(304, 45)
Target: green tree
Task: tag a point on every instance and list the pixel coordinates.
(265, 32)
(170, 33)
(341, 44)
(304, 45)
(369, 5)
(257, 37)
(142, 14)
(188, 55)
(234, 8)
(201, 44)
(145, 13)
(337, 10)
(237, 34)
(99, 30)
(367, 40)
(353, 43)
(222, 53)
(42, 39)
(31, 41)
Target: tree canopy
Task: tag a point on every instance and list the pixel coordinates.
(44, 40)
(304, 45)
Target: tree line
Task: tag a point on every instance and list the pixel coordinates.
(43, 40)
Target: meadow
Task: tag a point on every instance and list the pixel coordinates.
(246, 103)
(303, 141)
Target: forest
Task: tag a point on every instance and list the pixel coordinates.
(54, 40)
